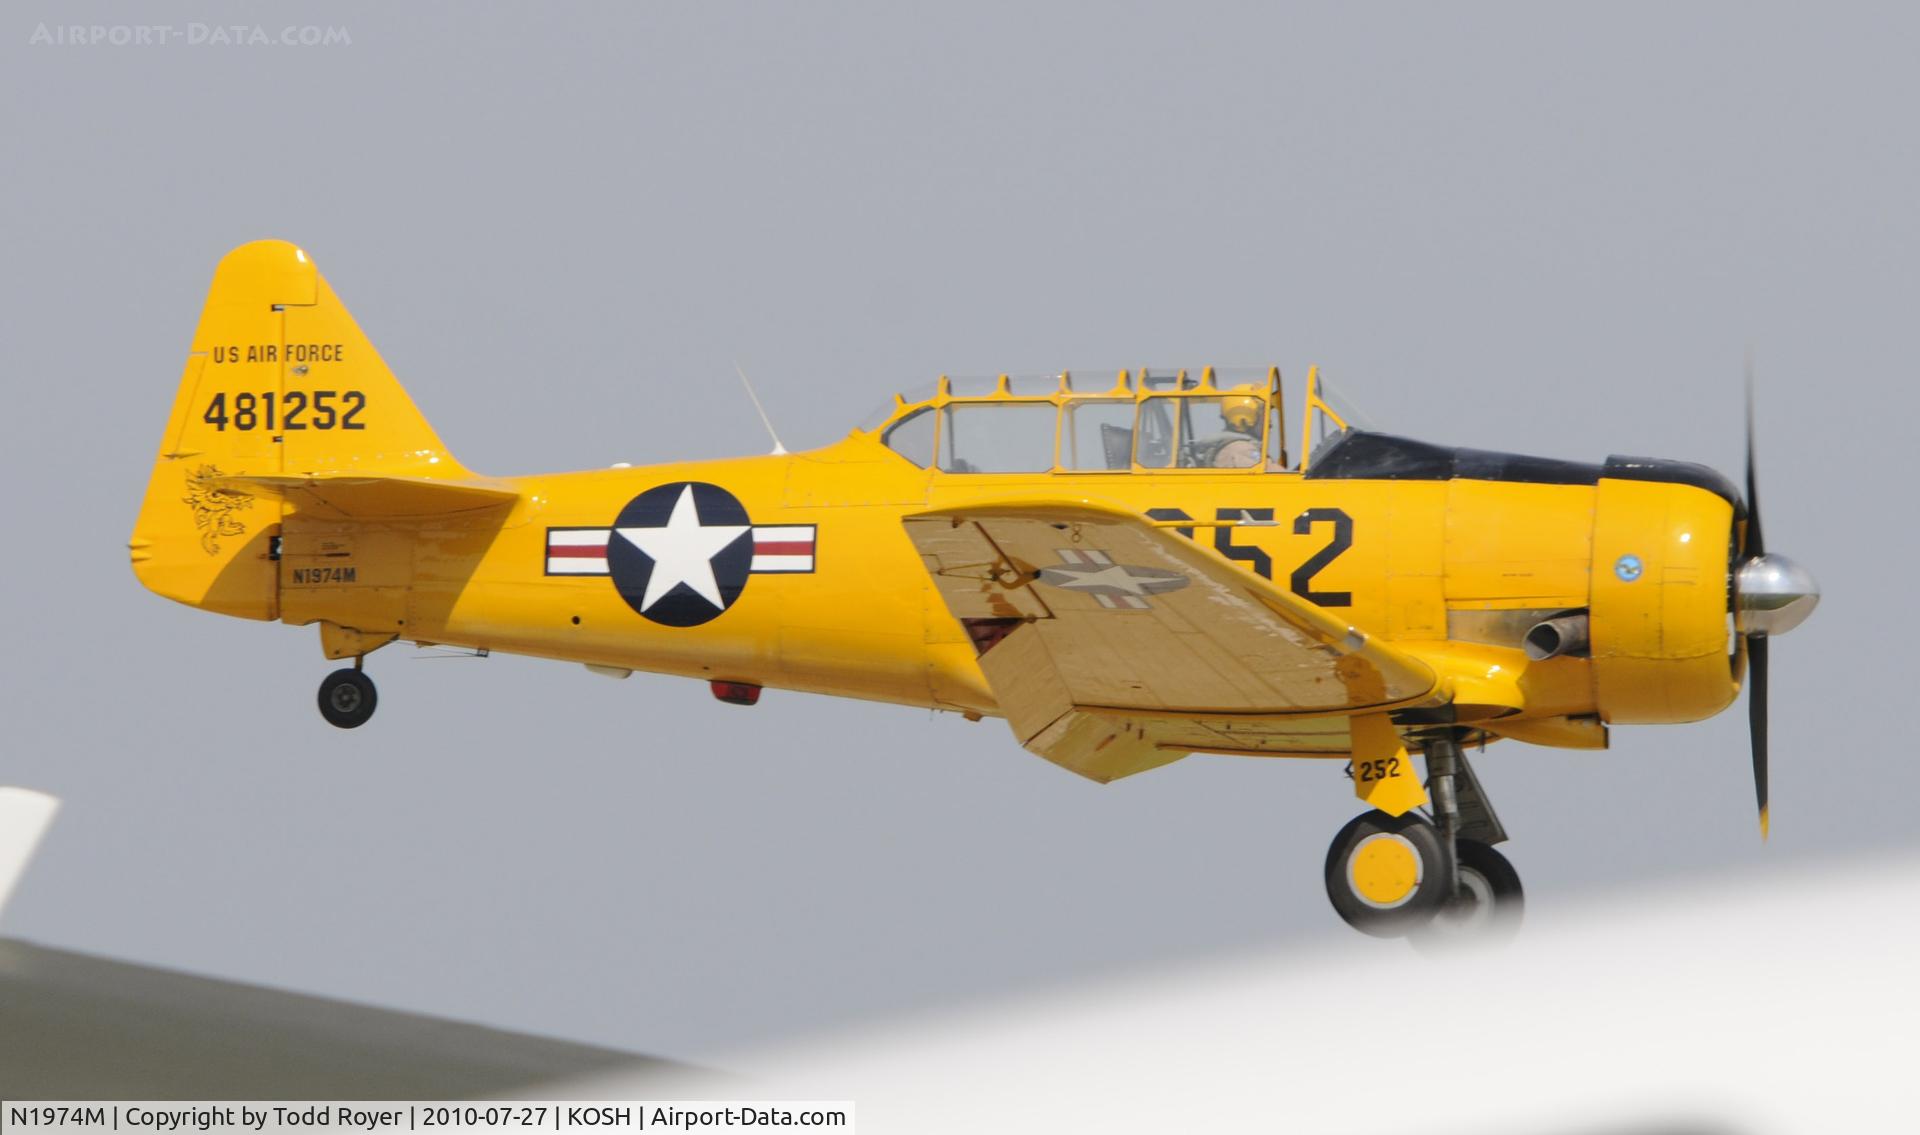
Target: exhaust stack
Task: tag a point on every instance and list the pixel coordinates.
(1551, 638)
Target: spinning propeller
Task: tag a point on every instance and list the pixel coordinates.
(1771, 595)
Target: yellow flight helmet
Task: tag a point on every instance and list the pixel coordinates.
(1242, 411)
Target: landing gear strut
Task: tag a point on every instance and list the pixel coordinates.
(1486, 904)
(1438, 881)
(347, 697)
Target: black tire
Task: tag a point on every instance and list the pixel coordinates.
(1386, 915)
(347, 699)
(1486, 912)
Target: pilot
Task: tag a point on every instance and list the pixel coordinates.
(1237, 445)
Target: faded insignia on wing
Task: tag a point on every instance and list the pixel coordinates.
(1113, 585)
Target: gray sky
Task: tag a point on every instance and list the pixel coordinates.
(1543, 228)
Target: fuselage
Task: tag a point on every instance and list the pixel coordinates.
(1457, 567)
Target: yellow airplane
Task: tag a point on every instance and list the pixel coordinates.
(1127, 568)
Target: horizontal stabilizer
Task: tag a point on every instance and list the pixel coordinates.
(366, 497)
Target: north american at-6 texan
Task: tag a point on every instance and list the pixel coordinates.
(1127, 568)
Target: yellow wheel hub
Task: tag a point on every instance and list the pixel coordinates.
(1384, 870)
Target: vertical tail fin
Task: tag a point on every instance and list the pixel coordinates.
(279, 381)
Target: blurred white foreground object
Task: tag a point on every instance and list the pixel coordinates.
(25, 816)
(1783, 1002)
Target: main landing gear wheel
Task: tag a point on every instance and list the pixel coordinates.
(1485, 911)
(1386, 875)
(347, 698)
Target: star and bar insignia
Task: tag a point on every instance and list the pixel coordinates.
(680, 554)
(1115, 586)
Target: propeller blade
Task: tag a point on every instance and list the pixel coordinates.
(1757, 720)
(1756, 546)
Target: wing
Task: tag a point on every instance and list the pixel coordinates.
(1114, 645)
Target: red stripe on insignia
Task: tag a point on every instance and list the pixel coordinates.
(784, 548)
(577, 551)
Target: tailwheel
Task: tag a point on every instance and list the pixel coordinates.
(1485, 909)
(347, 698)
(1386, 875)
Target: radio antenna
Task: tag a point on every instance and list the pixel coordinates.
(778, 449)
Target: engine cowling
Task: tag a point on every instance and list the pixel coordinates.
(1661, 634)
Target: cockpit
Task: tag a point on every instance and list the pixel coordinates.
(1222, 418)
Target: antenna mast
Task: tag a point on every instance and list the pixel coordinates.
(764, 420)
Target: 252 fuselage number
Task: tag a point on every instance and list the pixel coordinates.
(1301, 580)
(297, 410)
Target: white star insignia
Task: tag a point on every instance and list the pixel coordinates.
(683, 551)
(1117, 577)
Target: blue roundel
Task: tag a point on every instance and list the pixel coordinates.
(680, 553)
(1628, 567)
